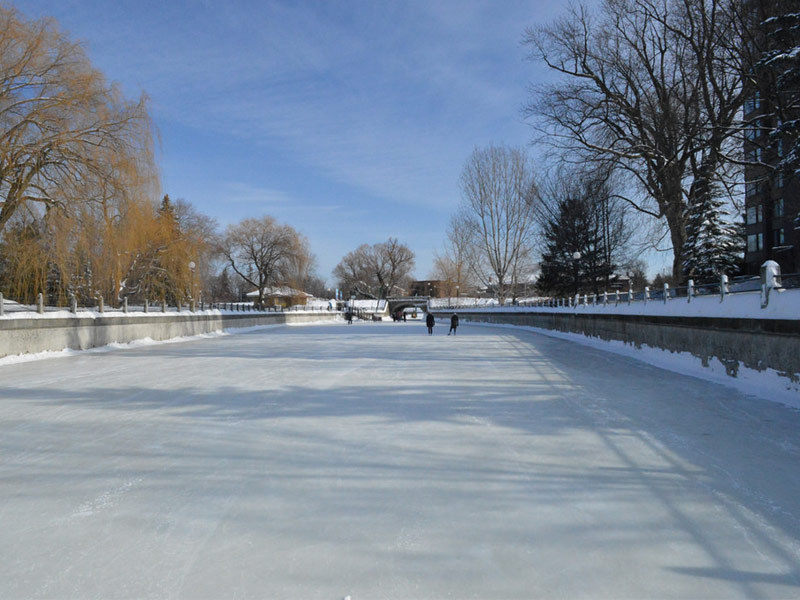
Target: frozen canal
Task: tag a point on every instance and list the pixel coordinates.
(377, 462)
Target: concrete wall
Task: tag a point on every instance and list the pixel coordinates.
(755, 343)
(23, 336)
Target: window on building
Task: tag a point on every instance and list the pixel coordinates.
(754, 242)
(755, 214)
(778, 208)
(752, 103)
(755, 154)
(752, 188)
(779, 237)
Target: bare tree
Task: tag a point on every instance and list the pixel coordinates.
(453, 265)
(653, 88)
(499, 196)
(262, 252)
(354, 272)
(375, 271)
(65, 134)
(393, 264)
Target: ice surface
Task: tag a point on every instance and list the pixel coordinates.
(374, 461)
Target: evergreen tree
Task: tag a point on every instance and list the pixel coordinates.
(574, 228)
(585, 234)
(714, 245)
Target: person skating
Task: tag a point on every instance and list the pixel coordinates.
(453, 324)
(430, 322)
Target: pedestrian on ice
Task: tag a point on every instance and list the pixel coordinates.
(430, 322)
(453, 324)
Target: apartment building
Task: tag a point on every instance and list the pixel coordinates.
(772, 199)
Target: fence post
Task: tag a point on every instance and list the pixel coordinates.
(178, 305)
(616, 297)
(100, 306)
(646, 294)
(2, 310)
(194, 306)
(630, 293)
(666, 292)
(40, 303)
(723, 286)
(605, 298)
(146, 305)
(690, 290)
(73, 304)
(125, 305)
(770, 280)
(163, 304)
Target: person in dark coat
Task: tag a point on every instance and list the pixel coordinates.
(453, 324)
(430, 322)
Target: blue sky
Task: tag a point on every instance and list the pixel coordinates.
(348, 120)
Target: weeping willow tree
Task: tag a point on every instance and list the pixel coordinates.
(78, 181)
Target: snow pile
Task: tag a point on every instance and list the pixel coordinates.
(368, 305)
(462, 302)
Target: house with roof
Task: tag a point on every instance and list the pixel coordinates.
(283, 296)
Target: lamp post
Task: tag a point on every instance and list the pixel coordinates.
(576, 256)
(191, 281)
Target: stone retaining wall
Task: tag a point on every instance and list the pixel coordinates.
(23, 336)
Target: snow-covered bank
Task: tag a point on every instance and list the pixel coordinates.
(740, 343)
(767, 384)
(782, 304)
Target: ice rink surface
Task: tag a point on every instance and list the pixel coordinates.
(377, 462)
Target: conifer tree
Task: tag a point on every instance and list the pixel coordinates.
(714, 245)
(575, 228)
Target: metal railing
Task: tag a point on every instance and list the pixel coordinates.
(769, 281)
(11, 308)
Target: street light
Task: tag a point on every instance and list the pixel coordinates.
(576, 256)
(191, 285)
